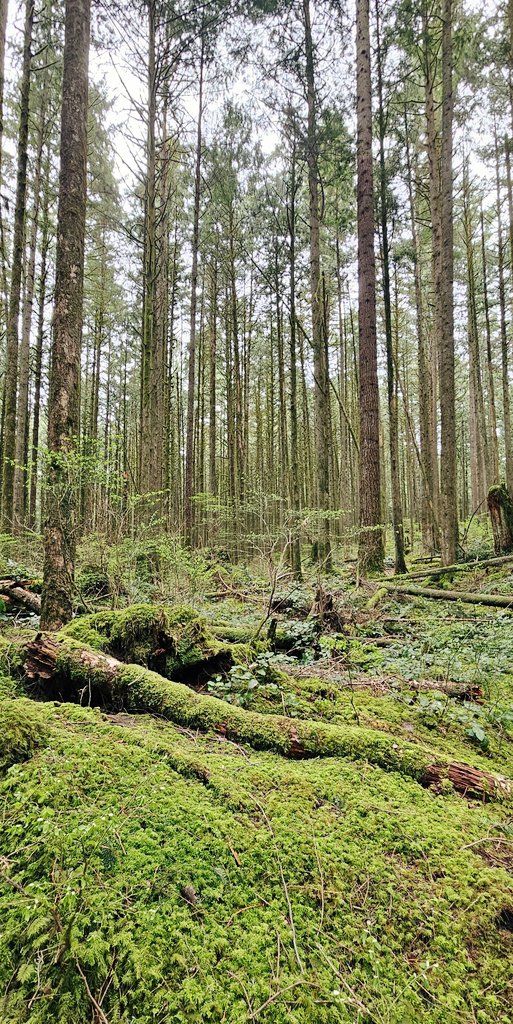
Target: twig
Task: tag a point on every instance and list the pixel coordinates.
(321, 875)
(273, 998)
(357, 1002)
(284, 883)
(488, 839)
(104, 1019)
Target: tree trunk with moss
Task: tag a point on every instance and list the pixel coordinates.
(500, 507)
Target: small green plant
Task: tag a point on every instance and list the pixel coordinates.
(243, 683)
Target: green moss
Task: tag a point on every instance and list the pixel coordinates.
(106, 828)
(21, 732)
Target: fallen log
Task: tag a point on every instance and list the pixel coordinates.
(441, 570)
(17, 590)
(493, 600)
(68, 671)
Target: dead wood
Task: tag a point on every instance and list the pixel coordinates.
(67, 670)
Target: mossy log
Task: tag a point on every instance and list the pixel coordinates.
(173, 640)
(435, 572)
(493, 600)
(71, 671)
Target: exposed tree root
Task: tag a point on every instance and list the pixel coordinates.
(72, 671)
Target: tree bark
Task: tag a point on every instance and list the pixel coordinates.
(393, 411)
(63, 409)
(320, 367)
(448, 489)
(189, 445)
(500, 507)
(12, 340)
(370, 549)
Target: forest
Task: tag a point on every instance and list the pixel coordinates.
(256, 512)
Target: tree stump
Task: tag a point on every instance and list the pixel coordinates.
(500, 508)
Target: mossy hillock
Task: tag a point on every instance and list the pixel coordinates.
(176, 867)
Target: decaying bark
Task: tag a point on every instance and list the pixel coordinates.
(73, 672)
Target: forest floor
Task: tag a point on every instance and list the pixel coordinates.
(154, 870)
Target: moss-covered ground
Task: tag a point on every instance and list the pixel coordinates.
(153, 874)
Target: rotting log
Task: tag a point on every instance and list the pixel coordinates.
(17, 590)
(442, 570)
(493, 600)
(68, 671)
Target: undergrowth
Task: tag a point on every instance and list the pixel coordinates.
(151, 874)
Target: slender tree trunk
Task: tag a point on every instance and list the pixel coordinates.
(506, 403)
(20, 473)
(370, 550)
(479, 457)
(189, 446)
(426, 374)
(63, 408)
(493, 469)
(38, 355)
(321, 373)
(448, 488)
(212, 381)
(146, 452)
(393, 412)
(295, 497)
(11, 368)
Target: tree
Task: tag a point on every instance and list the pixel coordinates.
(11, 373)
(449, 509)
(63, 408)
(370, 551)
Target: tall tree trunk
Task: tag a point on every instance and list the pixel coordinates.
(493, 468)
(11, 367)
(506, 402)
(295, 497)
(38, 355)
(427, 388)
(20, 473)
(479, 457)
(448, 488)
(370, 549)
(393, 411)
(321, 373)
(63, 408)
(212, 382)
(189, 444)
(146, 452)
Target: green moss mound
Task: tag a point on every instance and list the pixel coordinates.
(21, 732)
(173, 640)
(177, 878)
